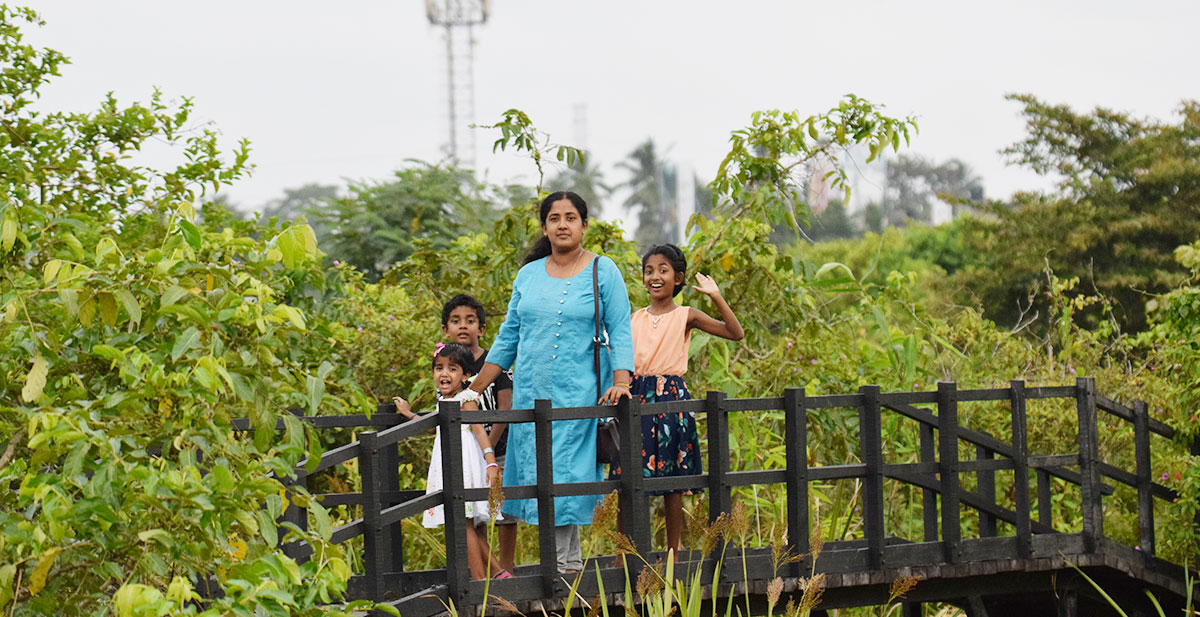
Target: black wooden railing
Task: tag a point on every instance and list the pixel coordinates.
(937, 474)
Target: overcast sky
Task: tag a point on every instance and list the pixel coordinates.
(332, 90)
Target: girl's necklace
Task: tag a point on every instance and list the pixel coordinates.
(654, 319)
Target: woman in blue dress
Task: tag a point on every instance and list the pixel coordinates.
(547, 339)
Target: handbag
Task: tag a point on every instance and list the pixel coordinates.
(608, 440)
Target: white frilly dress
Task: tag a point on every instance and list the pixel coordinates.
(474, 471)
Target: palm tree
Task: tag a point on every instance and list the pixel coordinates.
(653, 195)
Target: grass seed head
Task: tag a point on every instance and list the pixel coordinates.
(739, 523)
(495, 497)
(774, 589)
(649, 581)
(815, 541)
(901, 586)
(507, 606)
(813, 588)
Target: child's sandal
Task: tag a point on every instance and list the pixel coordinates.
(504, 574)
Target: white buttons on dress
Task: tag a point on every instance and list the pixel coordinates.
(553, 357)
(568, 282)
(559, 323)
(556, 346)
(561, 301)
(560, 313)
(556, 335)
(564, 292)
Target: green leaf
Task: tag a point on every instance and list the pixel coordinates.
(8, 233)
(35, 381)
(316, 391)
(50, 270)
(266, 527)
(222, 478)
(37, 581)
(108, 351)
(191, 233)
(321, 518)
(130, 304)
(184, 342)
(108, 308)
(172, 295)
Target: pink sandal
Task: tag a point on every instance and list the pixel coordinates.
(504, 574)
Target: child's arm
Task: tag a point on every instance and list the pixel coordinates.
(728, 326)
(503, 402)
(403, 409)
(481, 436)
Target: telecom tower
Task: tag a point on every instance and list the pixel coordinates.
(459, 18)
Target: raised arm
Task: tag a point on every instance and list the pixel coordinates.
(726, 327)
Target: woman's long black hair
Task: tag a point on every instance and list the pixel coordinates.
(541, 248)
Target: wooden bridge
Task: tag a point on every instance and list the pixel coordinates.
(1015, 557)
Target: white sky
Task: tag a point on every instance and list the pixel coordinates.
(333, 90)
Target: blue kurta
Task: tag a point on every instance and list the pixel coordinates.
(547, 339)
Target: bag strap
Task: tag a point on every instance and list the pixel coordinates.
(596, 340)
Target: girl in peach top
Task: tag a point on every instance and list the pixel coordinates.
(661, 335)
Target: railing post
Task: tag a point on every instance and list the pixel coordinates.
(1045, 507)
(985, 481)
(795, 429)
(1145, 497)
(543, 440)
(1020, 444)
(389, 482)
(870, 444)
(947, 403)
(1093, 518)
(720, 498)
(636, 509)
(454, 510)
(374, 557)
(296, 515)
(929, 508)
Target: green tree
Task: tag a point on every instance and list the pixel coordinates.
(133, 335)
(302, 201)
(380, 223)
(1128, 194)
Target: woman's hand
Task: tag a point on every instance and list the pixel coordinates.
(706, 285)
(614, 394)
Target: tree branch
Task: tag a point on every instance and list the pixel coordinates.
(12, 447)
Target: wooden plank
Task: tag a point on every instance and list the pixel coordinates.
(1103, 403)
(720, 498)
(408, 430)
(753, 404)
(413, 507)
(948, 458)
(990, 394)
(870, 449)
(837, 472)
(756, 476)
(829, 401)
(1144, 480)
(543, 440)
(986, 464)
(389, 478)
(1050, 392)
(887, 399)
(1045, 509)
(1093, 519)
(334, 457)
(795, 431)
(1020, 458)
(350, 530)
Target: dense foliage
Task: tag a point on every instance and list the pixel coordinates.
(134, 332)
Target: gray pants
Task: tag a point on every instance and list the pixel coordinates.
(569, 554)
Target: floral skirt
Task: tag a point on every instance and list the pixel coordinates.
(670, 443)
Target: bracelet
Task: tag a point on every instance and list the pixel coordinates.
(490, 465)
(621, 385)
(488, 450)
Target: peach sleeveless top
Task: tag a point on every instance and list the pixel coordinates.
(660, 342)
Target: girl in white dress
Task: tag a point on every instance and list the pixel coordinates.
(478, 460)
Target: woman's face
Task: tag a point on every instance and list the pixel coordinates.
(564, 227)
(660, 277)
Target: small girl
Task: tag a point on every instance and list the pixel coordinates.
(662, 333)
(479, 461)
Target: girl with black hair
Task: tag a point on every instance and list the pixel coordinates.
(451, 374)
(662, 333)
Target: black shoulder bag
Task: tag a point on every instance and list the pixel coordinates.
(608, 440)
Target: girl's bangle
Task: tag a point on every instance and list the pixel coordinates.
(488, 450)
(490, 465)
(621, 385)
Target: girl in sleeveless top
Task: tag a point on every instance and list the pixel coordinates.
(661, 335)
